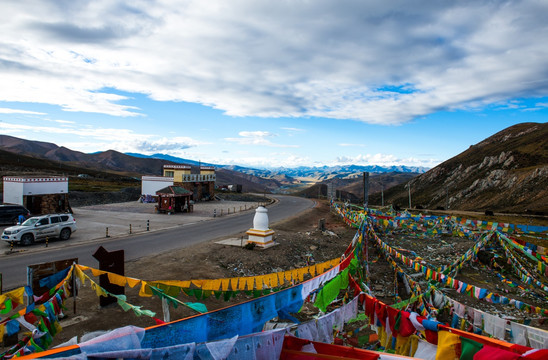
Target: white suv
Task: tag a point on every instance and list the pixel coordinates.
(39, 227)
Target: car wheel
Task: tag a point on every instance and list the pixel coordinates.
(65, 234)
(27, 239)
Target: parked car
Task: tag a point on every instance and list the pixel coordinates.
(39, 227)
(9, 214)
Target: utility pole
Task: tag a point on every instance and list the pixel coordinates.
(382, 195)
(409, 189)
(365, 189)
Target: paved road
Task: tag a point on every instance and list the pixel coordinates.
(13, 267)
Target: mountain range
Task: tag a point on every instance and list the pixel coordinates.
(505, 172)
(134, 164)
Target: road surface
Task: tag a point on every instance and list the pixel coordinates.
(14, 266)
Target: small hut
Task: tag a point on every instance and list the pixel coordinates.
(172, 199)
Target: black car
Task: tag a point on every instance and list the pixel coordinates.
(10, 213)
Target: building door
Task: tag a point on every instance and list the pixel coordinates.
(34, 204)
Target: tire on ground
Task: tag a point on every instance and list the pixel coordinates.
(65, 234)
(27, 239)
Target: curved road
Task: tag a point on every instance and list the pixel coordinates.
(13, 267)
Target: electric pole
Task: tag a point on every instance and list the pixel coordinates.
(365, 189)
(409, 189)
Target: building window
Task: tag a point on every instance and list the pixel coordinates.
(168, 173)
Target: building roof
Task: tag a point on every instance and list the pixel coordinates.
(174, 190)
(178, 167)
(35, 179)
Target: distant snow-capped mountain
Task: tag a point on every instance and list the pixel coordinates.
(317, 173)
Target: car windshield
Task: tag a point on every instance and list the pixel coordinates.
(30, 222)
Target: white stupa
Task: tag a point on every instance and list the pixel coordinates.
(260, 234)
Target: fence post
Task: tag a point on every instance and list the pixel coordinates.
(130, 228)
(11, 246)
(106, 235)
(214, 212)
(148, 225)
(47, 241)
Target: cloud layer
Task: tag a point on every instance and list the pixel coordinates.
(376, 61)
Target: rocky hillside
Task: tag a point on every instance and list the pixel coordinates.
(506, 172)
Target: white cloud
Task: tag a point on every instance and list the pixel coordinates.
(267, 161)
(19, 111)
(98, 139)
(376, 61)
(162, 145)
(257, 138)
(351, 145)
(384, 160)
(64, 121)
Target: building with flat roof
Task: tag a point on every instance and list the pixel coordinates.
(201, 185)
(39, 194)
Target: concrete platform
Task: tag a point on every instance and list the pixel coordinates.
(241, 243)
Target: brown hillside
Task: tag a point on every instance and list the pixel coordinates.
(505, 172)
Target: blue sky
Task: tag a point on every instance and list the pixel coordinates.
(268, 84)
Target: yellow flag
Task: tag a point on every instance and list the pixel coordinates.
(234, 284)
(301, 273)
(213, 285)
(288, 275)
(447, 346)
(320, 268)
(312, 270)
(80, 274)
(262, 282)
(250, 282)
(295, 274)
(241, 284)
(98, 290)
(16, 295)
(132, 282)
(273, 280)
(145, 290)
(117, 279)
(281, 278)
(178, 283)
(225, 284)
(96, 272)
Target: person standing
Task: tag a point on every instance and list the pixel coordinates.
(21, 218)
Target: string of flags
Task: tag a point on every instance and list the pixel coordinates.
(408, 328)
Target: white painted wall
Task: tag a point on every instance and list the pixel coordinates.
(16, 187)
(13, 192)
(151, 184)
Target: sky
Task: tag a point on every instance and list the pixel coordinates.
(272, 83)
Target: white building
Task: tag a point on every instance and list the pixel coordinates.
(151, 184)
(40, 195)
